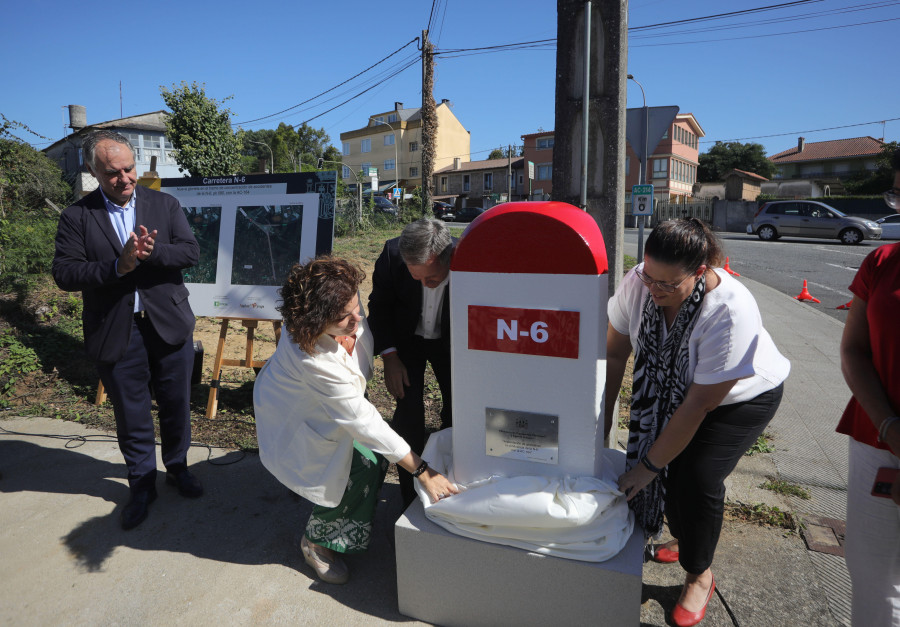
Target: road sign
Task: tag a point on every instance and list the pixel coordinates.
(642, 200)
(398, 192)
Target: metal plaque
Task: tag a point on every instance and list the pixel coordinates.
(521, 435)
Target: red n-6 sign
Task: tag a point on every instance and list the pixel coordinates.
(543, 332)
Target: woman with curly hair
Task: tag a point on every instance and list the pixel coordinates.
(317, 432)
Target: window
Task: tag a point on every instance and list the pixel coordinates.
(488, 180)
(544, 143)
(443, 183)
(660, 168)
(392, 118)
(389, 140)
(413, 172)
(389, 164)
(168, 150)
(545, 172)
(413, 146)
(152, 147)
(365, 168)
(345, 148)
(365, 145)
(135, 141)
(345, 172)
(379, 118)
(467, 183)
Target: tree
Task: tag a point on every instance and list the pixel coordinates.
(27, 176)
(201, 132)
(876, 182)
(293, 150)
(504, 152)
(726, 156)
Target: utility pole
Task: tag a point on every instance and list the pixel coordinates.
(589, 135)
(509, 176)
(429, 123)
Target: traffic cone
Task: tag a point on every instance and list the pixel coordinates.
(728, 269)
(847, 306)
(805, 295)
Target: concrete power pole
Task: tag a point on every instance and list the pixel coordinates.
(429, 123)
(592, 32)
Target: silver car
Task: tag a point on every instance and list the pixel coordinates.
(890, 226)
(809, 218)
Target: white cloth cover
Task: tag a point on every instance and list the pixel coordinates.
(580, 518)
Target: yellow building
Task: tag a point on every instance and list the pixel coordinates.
(392, 143)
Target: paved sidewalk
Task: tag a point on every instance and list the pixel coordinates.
(233, 556)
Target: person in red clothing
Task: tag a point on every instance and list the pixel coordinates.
(870, 362)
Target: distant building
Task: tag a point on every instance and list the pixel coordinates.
(672, 168)
(479, 183)
(827, 164)
(146, 132)
(396, 135)
(742, 185)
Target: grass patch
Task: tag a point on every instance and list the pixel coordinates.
(786, 488)
(762, 514)
(763, 444)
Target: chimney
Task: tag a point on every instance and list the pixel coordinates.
(456, 163)
(801, 142)
(445, 101)
(398, 106)
(77, 117)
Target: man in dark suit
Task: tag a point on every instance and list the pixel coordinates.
(409, 314)
(124, 249)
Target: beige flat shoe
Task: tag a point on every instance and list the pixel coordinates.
(329, 569)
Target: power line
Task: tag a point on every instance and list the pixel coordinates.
(332, 88)
(815, 130)
(719, 16)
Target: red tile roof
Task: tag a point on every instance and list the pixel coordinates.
(746, 174)
(487, 164)
(834, 149)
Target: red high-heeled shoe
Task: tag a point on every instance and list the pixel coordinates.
(664, 555)
(683, 618)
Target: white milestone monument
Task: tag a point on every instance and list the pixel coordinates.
(528, 292)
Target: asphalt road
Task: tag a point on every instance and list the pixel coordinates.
(827, 265)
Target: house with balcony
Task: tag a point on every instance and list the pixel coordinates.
(479, 183)
(391, 142)
(146, 132)
(820, 168)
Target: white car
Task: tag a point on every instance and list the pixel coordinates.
(890, 226)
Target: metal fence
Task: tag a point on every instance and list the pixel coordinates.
(702, 209)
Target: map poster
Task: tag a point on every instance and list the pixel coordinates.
(252, 229)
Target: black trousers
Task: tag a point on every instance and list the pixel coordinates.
(695, 484)
(149, 361)
(409, 416)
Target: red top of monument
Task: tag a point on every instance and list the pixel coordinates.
(532, 238)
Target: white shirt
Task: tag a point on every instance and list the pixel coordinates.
(727, 342)
(429, 326)
(122, 220)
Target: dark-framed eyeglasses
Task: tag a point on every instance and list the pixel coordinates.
(663, 287)
(892, 198)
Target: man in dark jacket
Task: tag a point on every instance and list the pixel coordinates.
(124, 249)
(409, 314)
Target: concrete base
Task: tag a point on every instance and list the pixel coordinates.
(449, 580)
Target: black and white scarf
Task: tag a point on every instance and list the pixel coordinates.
(661, 379)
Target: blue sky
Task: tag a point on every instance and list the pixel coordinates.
(739, 82)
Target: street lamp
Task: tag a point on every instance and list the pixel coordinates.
(271, 154)
(396, 153)
(644, 175)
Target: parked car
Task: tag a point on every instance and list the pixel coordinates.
(467, 214)
(810, 218)
(440, 208)
(890, 226)
(383, 205)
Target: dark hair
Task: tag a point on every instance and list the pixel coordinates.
(895, 160)
(423, 239)
(89, 145)
(687, 243)
(315, 295)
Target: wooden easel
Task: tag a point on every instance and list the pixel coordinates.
(247, 362)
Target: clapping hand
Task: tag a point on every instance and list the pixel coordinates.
(137, 248)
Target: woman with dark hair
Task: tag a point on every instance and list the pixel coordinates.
(870, 361)
(317, 432)
(707, 381)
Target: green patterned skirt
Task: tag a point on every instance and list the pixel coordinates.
(347, 528)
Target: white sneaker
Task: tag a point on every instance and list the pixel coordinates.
(329, 568)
